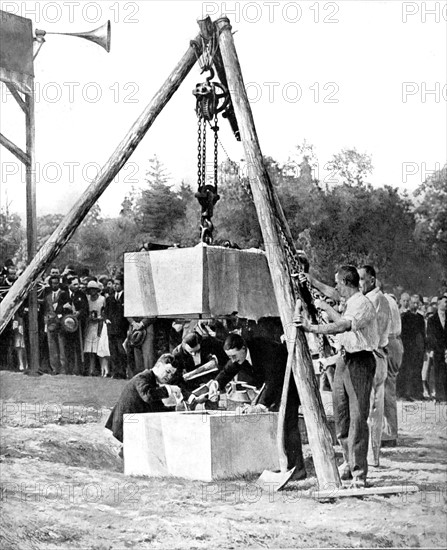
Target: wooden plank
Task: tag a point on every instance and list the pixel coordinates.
(14, 149)
(342, 492)
(269, 213)
(108, 172)
(16, 96)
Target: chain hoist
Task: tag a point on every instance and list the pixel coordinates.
(209, 102)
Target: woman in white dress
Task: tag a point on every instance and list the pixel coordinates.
(96, 341)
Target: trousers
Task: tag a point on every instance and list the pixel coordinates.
(353, 381)
(376, 406)
(395, 353)
(56, 350)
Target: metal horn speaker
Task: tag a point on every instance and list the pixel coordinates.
(100, 36)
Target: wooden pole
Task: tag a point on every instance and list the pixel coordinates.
(120, 156)
(31, 231)
(269, 211)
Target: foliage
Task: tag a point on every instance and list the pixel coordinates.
(352, 166)
(350, 222)
(12, 235)
(431, 215)
(159, 208)
(235, 217)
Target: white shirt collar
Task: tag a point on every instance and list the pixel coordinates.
(248, 357)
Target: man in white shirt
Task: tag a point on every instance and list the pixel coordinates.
(395, 353)
(358, 337)
(370, 289)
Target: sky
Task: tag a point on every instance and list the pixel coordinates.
(345, 74)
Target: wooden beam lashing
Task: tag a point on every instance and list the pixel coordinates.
(108, 172)
(269, 209)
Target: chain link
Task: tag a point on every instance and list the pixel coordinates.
(207, 192)
(216, 165)
(199, 152)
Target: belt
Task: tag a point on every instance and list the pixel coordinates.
(345, 353)
(394, 336)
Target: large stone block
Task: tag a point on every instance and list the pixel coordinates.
(204, 445)
(211, 281)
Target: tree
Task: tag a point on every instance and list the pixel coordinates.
(11, 234)
(159, 208)
(431, 216)
(352, 166)
(235, 217)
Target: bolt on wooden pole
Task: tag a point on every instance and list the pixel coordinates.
(69, 224)
(269, 211)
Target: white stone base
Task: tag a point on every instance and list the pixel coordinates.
(199, 445)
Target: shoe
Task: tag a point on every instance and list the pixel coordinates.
(345, 472)
(355, 483)
(388, 443)
(299, 475)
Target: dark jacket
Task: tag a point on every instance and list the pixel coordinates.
(269, 361)
(436, 335)
(209, 346)
(114, 312)
(142, 394)
(77, 299)
(185, 363)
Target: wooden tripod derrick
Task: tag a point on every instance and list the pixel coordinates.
(271, 219)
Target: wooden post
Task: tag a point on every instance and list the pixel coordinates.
(269, 211)
(68, 225)
(31, 231)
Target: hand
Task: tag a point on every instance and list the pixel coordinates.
(302, 322)
(255, 409)
(213, 394)
(213, 358)
(303, 278)
(321, 304)
(67, 306)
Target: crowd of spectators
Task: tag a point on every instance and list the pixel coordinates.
(83, 330)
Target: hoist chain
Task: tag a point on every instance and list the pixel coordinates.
(294, 262)
(199, 152)
(215, 129)
(203, 154)
(295, 267)
(206, 192)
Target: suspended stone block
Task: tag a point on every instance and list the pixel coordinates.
(208, 281)
(199, 445)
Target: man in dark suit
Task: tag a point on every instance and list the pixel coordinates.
(409, 379)
(437, 344)
(144, 394)
(193, 352)
(73, 301)
(260, 361)
(56, 342)
(117, 327)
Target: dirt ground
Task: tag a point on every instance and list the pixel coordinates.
(62, 485)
